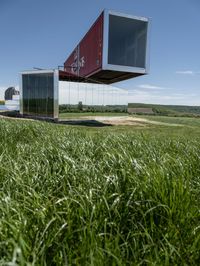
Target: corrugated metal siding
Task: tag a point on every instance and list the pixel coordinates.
(88, 53)
(91, 49)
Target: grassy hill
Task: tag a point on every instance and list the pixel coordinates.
(100, 196)
(175, 110)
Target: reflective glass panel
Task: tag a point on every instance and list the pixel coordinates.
(38, 94)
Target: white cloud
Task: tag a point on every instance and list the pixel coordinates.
(187, 72)
(106, 94)
(2, 90)
(157, 98)
(150, 87)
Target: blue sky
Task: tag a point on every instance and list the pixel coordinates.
(42, 33)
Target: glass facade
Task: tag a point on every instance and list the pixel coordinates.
(38, 94)
(127, 41)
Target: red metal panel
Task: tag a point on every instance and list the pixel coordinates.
(86, 59)
(71, 63)
(90, 49)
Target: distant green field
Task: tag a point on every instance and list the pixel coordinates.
(175, 110)
(118, 195)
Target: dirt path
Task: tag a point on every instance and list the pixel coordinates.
(111, 120)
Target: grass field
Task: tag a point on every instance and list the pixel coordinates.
(118, 195)
(171, 110)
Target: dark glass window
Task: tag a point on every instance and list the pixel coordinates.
(127, 41)
(38, 91)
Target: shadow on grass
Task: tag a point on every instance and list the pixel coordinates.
(74, 122)
(88, 123)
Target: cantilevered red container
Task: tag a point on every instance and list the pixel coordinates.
(114, 49)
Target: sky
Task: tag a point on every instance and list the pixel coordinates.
(42, 33)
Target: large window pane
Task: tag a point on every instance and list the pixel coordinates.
(127, 41)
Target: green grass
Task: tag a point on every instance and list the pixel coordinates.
(171, 110)
(99, 196)
(185, 121)
(84, 114)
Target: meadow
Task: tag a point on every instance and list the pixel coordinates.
(118, 195)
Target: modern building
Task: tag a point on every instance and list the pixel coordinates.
(9, 92)
(114, 49)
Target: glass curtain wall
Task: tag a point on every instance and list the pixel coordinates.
(85, 99)
(38, 91)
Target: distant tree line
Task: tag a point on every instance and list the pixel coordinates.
(80, 108)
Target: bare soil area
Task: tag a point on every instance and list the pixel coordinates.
(107, 120)
(122, 120)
